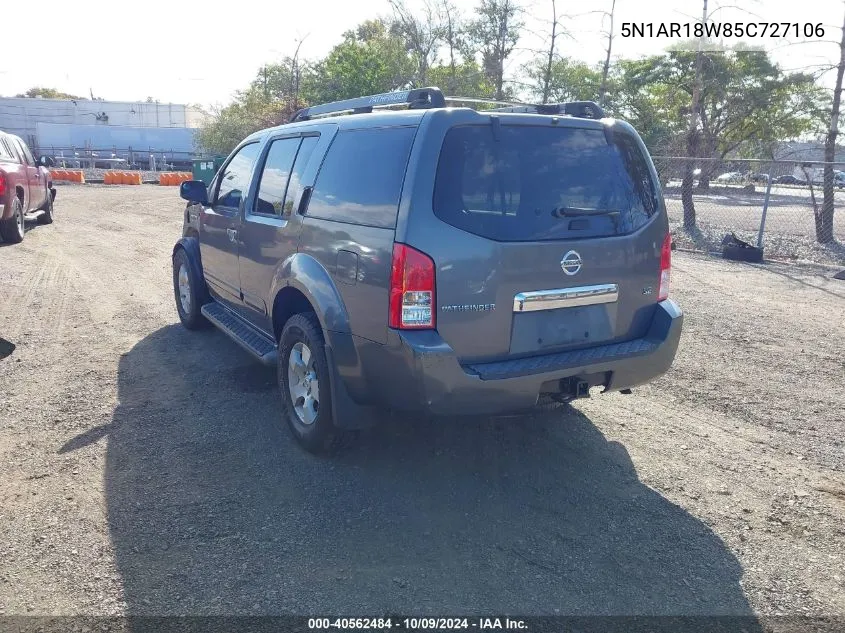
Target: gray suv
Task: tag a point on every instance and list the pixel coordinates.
(433, 259)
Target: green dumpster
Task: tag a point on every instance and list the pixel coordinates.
(205, 168)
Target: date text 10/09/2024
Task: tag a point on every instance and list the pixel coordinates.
(721, 29)
(422, 624)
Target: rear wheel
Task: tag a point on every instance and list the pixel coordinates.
(188, 292)
(13, 228)
(47, 217)
(303, 376)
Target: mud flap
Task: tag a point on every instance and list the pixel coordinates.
(348, 414)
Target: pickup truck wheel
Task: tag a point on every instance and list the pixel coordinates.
(13, 228)
(303, 376)
(186, 291)
(47, 216)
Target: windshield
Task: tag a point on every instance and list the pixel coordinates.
(542, 183)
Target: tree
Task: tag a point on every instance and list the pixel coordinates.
(495, 32)
(606, 67)
(421, 35)
(370, 60)
(738, 95)
(46, 93)
(545, 72)
(564, 80)
(824, 220)
(272, 98)
(465, 79)
(454, 37)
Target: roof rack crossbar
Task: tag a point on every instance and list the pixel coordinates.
(578, 109)
(416, 98)
(456, 99)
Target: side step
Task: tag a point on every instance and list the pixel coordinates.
(253, 341)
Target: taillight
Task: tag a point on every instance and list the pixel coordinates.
(2, 184)
(411, 289)
(665, 268)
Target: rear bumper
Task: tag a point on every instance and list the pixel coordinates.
(419, 371)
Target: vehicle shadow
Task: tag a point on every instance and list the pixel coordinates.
(29, 226)
(212, 509)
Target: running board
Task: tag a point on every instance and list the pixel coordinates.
(245, 335)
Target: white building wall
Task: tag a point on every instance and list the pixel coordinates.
(20, 116)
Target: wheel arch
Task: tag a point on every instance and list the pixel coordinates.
(305, 281)
(191, 246)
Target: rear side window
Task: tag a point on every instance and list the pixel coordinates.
(5, 152)
(361, 177)
(542, 183)
(280, 177)
(24, 152)
(274, 176)
(306, 149)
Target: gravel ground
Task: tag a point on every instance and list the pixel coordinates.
(145, 470)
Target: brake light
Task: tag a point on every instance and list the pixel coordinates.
(665, 268)
(2, 184)
(411, 289)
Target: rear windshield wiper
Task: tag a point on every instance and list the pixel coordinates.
(574, 212)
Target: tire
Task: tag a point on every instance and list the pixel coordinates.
(47, 217)
(189, 292)
(306, 403)
(12, 230)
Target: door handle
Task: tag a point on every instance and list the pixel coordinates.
(233, 234)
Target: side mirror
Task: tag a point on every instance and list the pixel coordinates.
(194, 191)
(46, 161)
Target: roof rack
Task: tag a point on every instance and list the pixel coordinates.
(417, 98)
(433, 98)
(579, 109)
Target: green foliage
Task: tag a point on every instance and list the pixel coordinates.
(46, 93)
(370, 60)
(746, 100)
(748, 103)
(570, 80)
(495, 33)
(465, 80)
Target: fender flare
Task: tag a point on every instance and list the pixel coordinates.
(308, 276)
(191, 246)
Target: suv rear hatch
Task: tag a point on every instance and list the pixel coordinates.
(551, 237)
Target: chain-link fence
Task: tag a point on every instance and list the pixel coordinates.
(139, 158)
(734, 196)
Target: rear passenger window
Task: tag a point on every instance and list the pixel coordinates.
(306, 149)
(25, 153)
(5, 152)
(361, 177)
(274, 176)
(234, 181)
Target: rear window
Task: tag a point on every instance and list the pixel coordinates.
(361, 177)
(6, 152)
(522, 183)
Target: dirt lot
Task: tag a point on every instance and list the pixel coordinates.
(144, 468)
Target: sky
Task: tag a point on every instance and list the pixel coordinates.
(202, 52)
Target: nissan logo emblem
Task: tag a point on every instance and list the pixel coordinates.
(571, 263)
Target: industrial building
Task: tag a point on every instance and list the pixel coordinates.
(88, 131)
